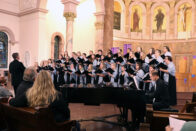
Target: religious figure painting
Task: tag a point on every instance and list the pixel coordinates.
(117, 15)
(136, 19)
(117, 18)
(184, 18)
(159, 24)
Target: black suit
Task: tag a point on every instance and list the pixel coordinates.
(23, 87)
(16, 69)
(160, 95)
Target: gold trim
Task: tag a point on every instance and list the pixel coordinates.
(99, 25)
(69, 16)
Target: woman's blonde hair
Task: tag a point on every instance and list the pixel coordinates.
(43, 91)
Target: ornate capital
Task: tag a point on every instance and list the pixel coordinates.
(69, 16)
(172, 3)
(99, 25)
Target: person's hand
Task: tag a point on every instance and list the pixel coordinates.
(168, 128)
(10, 98)
(161, 69)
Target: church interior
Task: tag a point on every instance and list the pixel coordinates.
(123, 32)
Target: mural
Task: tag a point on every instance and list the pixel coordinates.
(184, 18)
(136, 19)
(159, 20)
(117, 15)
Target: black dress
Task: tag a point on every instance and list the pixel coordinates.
(59, 107)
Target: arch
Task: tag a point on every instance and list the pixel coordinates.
(9, 33)
(143, 15)
(122, 21)
(176, 15)
(61, 44)
(166, 7)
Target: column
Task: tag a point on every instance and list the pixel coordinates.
(69, 31)
(99, 25)
(69, 13)
(108, 25)
(148, 20)
(172, 19)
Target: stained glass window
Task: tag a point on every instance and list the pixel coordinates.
(56, 47)
(3, 50)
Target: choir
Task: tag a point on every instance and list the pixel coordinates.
(132, 69)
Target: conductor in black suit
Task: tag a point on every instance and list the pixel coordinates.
(16, 69)
(160, 96)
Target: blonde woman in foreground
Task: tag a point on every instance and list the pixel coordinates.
(43, 93)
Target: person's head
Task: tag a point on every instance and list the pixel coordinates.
(154, 75)
(151, 51)
(16, 56)
(80, 66)
(78, 53)
(168, 59)
(138, 65)
(128, 50)
(90, 67)
(123, 68)
(66, 53)
(83, 55)
(100, 52)
(93, 56)
(139, 49)
(102, 65)
(42, 92)
(90, 52)
(157, 52)
(151, 68)
(113, 66)
(166, 49)
(29, 74)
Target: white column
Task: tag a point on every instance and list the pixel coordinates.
(69, 13)
(69, 31)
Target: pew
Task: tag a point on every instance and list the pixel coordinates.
(158, 120)
(31, 119)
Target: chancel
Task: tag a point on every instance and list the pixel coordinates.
(97, 65)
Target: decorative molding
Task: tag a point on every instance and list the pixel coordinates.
(23, 13)
(69, 16)
(99, 25)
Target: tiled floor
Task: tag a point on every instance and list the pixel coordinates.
(80, 111)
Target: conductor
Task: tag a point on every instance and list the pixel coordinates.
(16, 69)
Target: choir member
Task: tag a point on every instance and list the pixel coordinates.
(170, 79)
(158, 56)
(100, 73)
(113, 74)
(166, 51)
(123, 79)
(90, 75)
(139, 74)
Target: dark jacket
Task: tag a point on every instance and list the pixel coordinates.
(16, 69)
(59, 107)
(23, 87)
(160, 94)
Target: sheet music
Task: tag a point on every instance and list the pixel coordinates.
(176, 124)
(136, 84)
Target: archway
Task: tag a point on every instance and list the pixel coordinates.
(57, 45)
